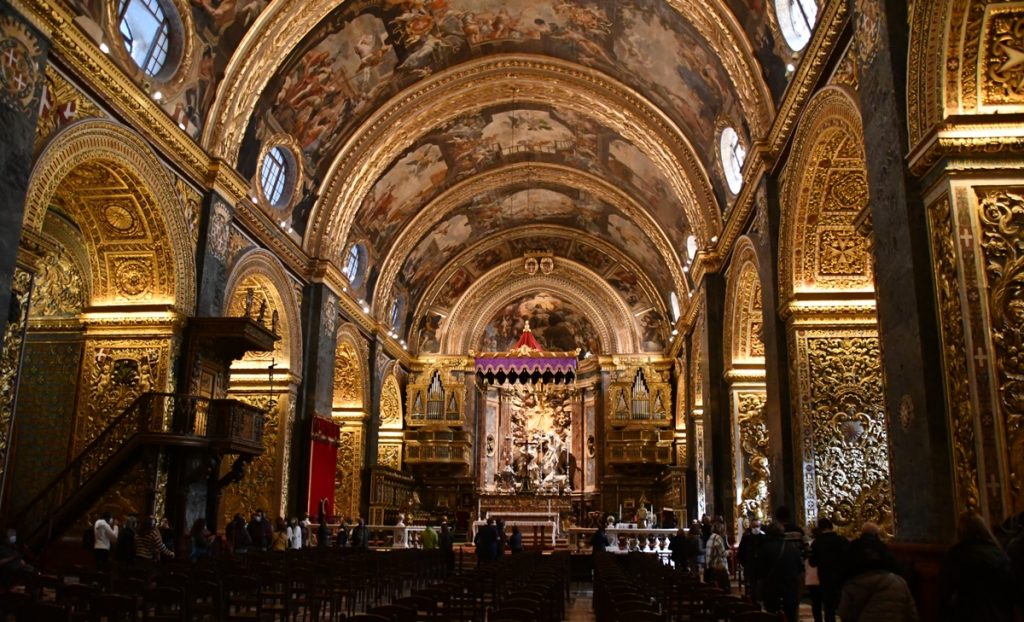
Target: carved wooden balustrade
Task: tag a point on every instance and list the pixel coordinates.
(625, 540)
(153, 420)
(438, 446)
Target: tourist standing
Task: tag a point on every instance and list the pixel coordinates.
(977, 577)
(446, 539)
(828, 555)
(874, 592)
(779, 565)
(360, 535)
(201, 539)
(429, 538)
(104, 536)
(149, 546)
(718, 559)
(515, 543)
(750, 546)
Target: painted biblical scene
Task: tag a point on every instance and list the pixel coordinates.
(366, 52)
(655, 331)
(488, 214)
(536, 456)
(557, 324)
(769, 48)
(219, 27)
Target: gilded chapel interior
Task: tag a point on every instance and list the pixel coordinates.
(413, 259)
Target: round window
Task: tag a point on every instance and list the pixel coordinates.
(274, 174)
(796, 20)
(733, 154)
(146, 31)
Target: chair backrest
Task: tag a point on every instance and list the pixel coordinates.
(367, 617)
(758, 616)
(44, 612)
(394, 612)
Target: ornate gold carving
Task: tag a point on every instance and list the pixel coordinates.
(62, 104)
(391, 404)
(639, 396)
(754, 474)
(22, 67)
(99, 155)
(264, 476)
(10, 359)
(1002, 221)
(347, 477)
(133, 275)
(220, 229)
(1002, 59)
(844, 438)
(744, 312)
(190, 200)
(59, 290)
(926, 76)
(390, 455)
(348, 376)
(868, 29)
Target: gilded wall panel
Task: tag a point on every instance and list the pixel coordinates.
(751, 471)
(1001, 214)
(348, 376)
(955, 356)
(347, 477)
(1001, 79)
(261, 486)
(62, 103)
(843, 427)
(10, 361)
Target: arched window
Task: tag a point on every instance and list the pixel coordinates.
(691, 247)
(146, 31)
(796, 20)
(733, 154)
(396, 313)
(273, 175)
(353, 264)
(676, 312)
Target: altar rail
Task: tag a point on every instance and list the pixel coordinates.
(624, 540)
(536, 533)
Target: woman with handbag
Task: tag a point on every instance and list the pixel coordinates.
(718, 559)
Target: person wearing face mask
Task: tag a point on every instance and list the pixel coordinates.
(12, 566)
(750, 544)
(260, 531)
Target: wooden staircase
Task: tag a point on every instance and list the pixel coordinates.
(152, 422)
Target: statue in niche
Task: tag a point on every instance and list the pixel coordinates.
(540, 460)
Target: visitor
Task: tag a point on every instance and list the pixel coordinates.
(167, 534)
(104, 536)
(779, 565)
(977, 581)
(360, 535)
(873, 592)
(294, 534)
(125, 548)
(429, 538)
(12, 566)
(486, 542)
(238, 536)
(695, 550)
(260, 531)
(599, 541)
(717, 571)
(828, 556)
(446, 540)
(149, 545)
(201, 538)
(705, 529)
(500, 545)
(515, 543)
(341, 537)
(747, 554)
(323, 532)
(279, 541)
(677, 546)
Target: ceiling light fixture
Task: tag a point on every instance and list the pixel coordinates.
(157, 95)
(104, 48)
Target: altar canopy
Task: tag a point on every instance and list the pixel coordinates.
(526, 363)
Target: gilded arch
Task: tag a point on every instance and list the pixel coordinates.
(743, 311)
(617, 329)
(152, 237)
(349, 409)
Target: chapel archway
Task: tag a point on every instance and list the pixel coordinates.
(826, 278)
(349, 409)
(259, 288)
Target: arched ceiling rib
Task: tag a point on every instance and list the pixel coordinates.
(634, 222)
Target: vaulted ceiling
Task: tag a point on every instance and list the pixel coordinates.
(449, 138)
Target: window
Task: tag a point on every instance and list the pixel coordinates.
(691, 247)
(676, 312)
(733, 154)
(396, 312)
(796, 20)
(273, 175)
(352, 264)
(146, 32)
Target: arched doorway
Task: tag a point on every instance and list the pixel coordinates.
(828, 302)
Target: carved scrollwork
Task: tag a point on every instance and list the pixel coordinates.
(59, 290)
(1003, 58)
(348, 377)
(753, 440)
(1002, 220)
(391, 404)
(347, 486)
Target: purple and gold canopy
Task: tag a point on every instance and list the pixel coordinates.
(526, 363)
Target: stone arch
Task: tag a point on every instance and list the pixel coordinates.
(824, 189)
(617, 328)
(147, 253)
(743, 308)
(260, 270)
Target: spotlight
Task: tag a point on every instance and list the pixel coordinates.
(714, 239)
(675, 331)
(181, 125)
(104, 48)
(790, 68)
(686, 269)
(157, 95)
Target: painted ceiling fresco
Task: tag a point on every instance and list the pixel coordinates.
(556, 323)
(475, 143)
(486, 215)
(637, 290)
(365, 52)
(770, 50)
(219, 26)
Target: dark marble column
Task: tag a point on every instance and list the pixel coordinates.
(212, 256)
(918, 432)
(718, 424)
(783, 456)
(379, 360)
(319, 325)
(23, 53)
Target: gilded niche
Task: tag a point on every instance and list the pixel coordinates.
(264, 475)
(844, 422)
(59, 290)
(954, 354)
(348, 377)
(1002, 220)
(391, 404)
(753, 441)
(347, 487)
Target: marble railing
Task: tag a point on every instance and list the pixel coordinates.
(624, 540)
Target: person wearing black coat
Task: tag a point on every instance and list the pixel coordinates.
(747, 554)
(486, 542)
(977, 577)
(779, 566)
(828, 555)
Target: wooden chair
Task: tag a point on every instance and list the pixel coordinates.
(45, 612)
(203, 601)
(241, 596)
(367, 617)
(113, 608)
(758, 616)
(510, 614)
(164, 604)
(395, 613)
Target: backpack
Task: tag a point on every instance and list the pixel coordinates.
(89, 538)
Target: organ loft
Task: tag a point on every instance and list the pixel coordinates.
(566, 264)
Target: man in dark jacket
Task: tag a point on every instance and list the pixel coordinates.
(260, 531)
(828, 555)
(360, 535)
(749, 549)
(779, 565)
(486, 542)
